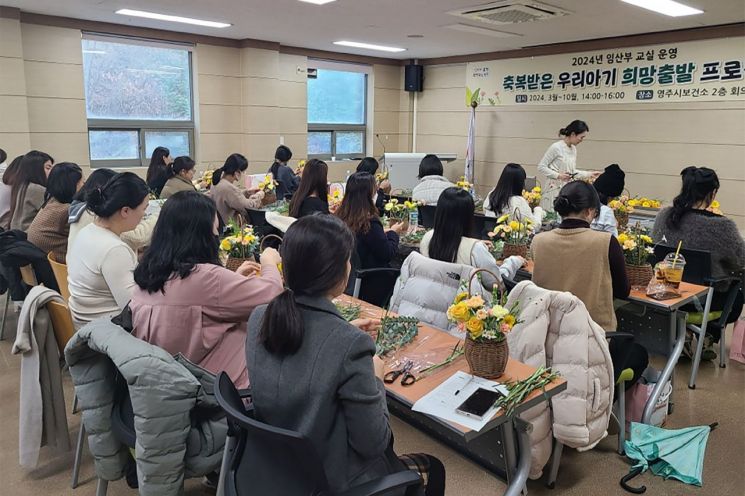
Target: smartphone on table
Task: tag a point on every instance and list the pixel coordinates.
(479, 403)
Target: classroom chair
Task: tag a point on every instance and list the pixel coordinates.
(28, 276)
(288, 463)
(698, 271)
(60, 274)
(374, 286)
(621, 377)
(427, 216)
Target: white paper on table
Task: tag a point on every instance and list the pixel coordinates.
(252, 181)
(442, 402)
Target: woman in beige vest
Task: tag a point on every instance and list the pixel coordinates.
(589, 264)
(448, 242)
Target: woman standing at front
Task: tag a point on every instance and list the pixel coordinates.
(559, 163)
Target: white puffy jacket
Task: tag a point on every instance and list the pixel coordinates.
(557, 331)
(426, 288)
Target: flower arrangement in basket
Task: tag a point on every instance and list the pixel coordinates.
(381, 176)
(621, 210)
(399, 211)
(637, 246)
(269, 187)
(300, 167)
(516, 234)
(239, 247)
(715, 208)
(205, 181)
(533, 197)
(645, 202)
(463, 184)
(486, 326)
(334, 199)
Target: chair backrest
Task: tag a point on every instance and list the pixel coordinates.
(60, 274)
(427, 216)
(698, 263)
(62, 325)
(267, 460)
(256, 217)
(477, 226)
(28, 276)
(376, 285)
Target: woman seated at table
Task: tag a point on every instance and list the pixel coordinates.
(313, 372)
(448, 242)
(609, 185)
(28, 191)
(689, 221)
(186, 302)
(181, 172)
(590, 265)
(312, 194)
(431, 181)
(370, 165)
(229, 199)
(507, 197)
(287, 180)
(50, 229)
(376, 246)
(157, 171)
(99, 263)
(79, 216)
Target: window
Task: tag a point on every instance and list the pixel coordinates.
(337, 112)
(138, 96)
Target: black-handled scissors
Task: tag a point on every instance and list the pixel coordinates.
(408, 378)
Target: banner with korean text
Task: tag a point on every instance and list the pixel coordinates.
(708, 70)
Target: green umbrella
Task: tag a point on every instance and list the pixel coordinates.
(670, 453)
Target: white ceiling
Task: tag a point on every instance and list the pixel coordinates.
(388, 22)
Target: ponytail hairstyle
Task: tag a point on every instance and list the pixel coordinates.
(575, 127)
(700, 185)
(323, 240)
(511, 183)
(123, 190)
(575, 197)
(184, 163)
(453, 220)
(96, 180)
(234, 163)
(314, 180)
(63, 182)
(281, 156)
(357, 208)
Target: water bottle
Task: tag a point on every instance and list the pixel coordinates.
(413, 220)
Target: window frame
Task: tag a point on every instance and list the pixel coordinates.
(334, 128)
(142, 126)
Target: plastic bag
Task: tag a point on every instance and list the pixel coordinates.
(658, 288)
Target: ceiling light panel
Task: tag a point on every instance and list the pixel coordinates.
(369, 46)
(666, 7)
(171, 18)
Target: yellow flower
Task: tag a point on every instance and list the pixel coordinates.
(507, 229)
(461, 296)
(537, 189)
(715, 204)
(475, 326)
(514, 225)
(458, 312)
(225, 245)
(629, 244)
(646, 238)
(622, 238)
(509, 320)
(646, 204)
(388, 207)
(499, 311)
(481, 314)
(474, 302)
(503, 218)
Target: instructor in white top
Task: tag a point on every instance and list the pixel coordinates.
(559, 164)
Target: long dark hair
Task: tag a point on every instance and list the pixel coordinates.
(11, 173)
(183, 163)
(63, 182)
(183, 237)
(314, 180)
(30, 170)
(511, 183)
(123, 190)
(96, 180)
(234, 163)
(453, 220)
(357, 208)
(282, 155)
(369, 165)
(575, 127)
(328, 243)
(157, 168)
(700, 184)
(575, 197)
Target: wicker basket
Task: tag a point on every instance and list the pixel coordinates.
(487, 359)
(639, 275)
(269, 198)
(234, 263)
(511, 249)
(622, 218)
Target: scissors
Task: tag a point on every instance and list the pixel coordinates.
(408, 378)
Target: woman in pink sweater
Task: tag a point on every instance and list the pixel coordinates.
(186, 302)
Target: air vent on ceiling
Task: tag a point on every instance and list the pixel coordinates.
(511, 12)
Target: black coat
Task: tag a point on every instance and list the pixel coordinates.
(16, 252)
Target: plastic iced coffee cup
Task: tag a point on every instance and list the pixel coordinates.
(674, 268)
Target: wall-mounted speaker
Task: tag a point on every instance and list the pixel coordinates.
(414, 77)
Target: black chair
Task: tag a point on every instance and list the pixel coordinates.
(256, 217)
(374, 286)
(266, 460)
(477, 226)
(427, 216)
(698, 271)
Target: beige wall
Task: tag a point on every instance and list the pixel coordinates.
(651, 142)
(248, 100)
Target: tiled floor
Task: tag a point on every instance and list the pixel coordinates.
(720, 396)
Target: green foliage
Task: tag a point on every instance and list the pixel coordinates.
(394, 333)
